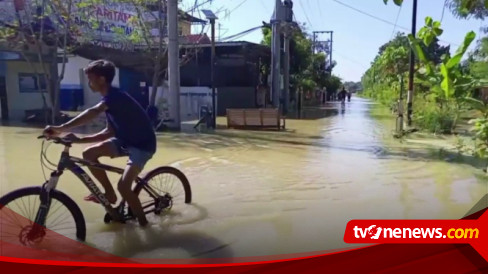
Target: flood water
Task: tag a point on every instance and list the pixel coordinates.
(267, 193)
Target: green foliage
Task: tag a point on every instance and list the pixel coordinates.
(481, 134)
(480, 126)
(430, 31)
(448, 75)
(397, 2)
(353, 86)
(431, 117)
(469, 8)
(333, 83)
(478, 62)
(440, 82)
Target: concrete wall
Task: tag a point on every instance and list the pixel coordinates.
(19, 102)
(191, 99)
(75, 76)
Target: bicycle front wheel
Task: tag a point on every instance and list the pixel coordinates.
(18, 210)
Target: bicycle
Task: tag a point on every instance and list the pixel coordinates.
(35, 228)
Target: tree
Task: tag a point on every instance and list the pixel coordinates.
(333, 83)
(478, 61)
(353, 86)
(400, 40)
(469, 8)
(38, 30)
(462, 8)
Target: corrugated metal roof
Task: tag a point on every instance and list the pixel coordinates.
(231, 44)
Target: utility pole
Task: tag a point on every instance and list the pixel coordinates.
(399, 125)
(412, 67)
(212, 60)
(276, 54)
(173, 63)
(286, 70)
(330, 50)
(329, 42)
(212, 17)
(288, 28)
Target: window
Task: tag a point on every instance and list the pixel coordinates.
(28, 83)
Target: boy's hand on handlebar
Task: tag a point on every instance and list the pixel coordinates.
(52, 131)
(72, 138)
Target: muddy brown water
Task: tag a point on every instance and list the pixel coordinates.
(264, 193)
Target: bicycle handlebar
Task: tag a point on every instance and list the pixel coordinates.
(57, 140)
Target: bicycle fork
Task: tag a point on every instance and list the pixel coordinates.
(38, 229)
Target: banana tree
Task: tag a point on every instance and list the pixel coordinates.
(447, 80)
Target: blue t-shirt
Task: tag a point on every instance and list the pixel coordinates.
(129, 121)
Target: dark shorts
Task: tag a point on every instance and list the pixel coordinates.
(137, 157)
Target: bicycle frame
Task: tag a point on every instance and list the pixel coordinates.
(74, 165)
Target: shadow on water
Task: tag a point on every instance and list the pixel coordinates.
(130, 240)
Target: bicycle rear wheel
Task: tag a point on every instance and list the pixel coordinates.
(18, 211)
(163, 188)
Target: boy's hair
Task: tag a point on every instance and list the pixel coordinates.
(102, 68)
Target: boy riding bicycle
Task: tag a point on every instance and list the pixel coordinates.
(128, 133)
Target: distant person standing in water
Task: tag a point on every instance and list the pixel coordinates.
(342, 94)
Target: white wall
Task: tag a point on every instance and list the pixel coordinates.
(191, 99)
(19, 102)
(74, 76)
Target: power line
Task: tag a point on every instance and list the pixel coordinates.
(320, 9)
(306, 15)
(236, 7)
(240, 34)
(350, 59)
(262, 4)
(198, 6)
(443, 10)
(383, 20)
(370, 15)
(396, 22)
(308, 3)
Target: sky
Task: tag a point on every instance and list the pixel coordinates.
(357, 37)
